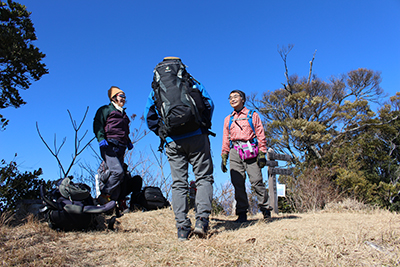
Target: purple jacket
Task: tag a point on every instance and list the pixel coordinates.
(110, 123)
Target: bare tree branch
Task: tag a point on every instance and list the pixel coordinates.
(161, 166)
(283, 52)
(55, 154)
(311, 65)
(78, 141)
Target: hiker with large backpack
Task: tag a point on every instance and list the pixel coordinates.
(179, 111)
(244, 143)
(111, 128)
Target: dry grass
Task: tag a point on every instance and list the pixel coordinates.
(334, 237)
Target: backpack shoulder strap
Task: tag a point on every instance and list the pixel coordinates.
(230, 122)
(229, 129)
(250, 119)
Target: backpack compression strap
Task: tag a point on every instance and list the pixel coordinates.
(249, 118)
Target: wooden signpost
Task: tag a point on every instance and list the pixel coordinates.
(272, 158)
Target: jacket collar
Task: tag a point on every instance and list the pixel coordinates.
(242, 111)
(118, 107)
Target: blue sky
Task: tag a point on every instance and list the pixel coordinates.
(91, 45)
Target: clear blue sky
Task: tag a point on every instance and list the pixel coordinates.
(91, 45)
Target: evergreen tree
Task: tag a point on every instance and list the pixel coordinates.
(20, 60)
(341, 147)
(16, 186)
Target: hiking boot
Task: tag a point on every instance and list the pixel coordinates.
(201, 227)
(266, 214)
(242, 218)
(103, 199)
(183, 233)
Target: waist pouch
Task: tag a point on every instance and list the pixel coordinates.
(246, 150)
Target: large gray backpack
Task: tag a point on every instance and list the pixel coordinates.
(70, 206)
(179, 105)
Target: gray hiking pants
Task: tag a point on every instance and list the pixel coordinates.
(238, 169)
(196, 151)
(114, 158)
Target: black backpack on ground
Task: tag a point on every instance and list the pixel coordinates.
(70, 206)
(151, 198)
(180, 106)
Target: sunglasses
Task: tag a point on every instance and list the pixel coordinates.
(122, 96)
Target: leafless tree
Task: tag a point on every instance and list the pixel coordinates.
(78, 140)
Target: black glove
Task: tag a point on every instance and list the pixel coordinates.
(261, 161)
(223, 162)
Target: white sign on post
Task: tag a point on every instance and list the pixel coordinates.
(276, 190)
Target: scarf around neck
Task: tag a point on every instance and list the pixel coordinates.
(118, 107)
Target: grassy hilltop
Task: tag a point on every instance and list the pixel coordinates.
(341, 235)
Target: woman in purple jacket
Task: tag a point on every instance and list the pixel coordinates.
(111, 127)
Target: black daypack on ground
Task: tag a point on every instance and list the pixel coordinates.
(70, 206)
(152, 198)
(179, 105)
